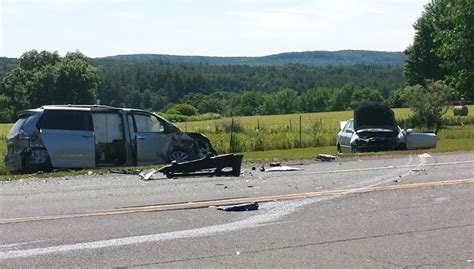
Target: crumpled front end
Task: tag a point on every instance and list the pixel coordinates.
(367, 141)
(190, 146)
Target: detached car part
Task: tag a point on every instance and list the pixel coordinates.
(221, 165)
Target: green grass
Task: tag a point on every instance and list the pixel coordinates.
(4, 129)
(283, 131)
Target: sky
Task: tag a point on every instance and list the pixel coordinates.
(205, 27)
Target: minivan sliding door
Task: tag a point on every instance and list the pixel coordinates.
(69, 137)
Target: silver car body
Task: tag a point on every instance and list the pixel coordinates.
(91, 136)
(407, 139)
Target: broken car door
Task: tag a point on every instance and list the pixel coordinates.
(69, 137)
(345, 138)
(152, 143)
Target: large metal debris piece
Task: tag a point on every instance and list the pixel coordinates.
(282, 168)
(325, 157)
(221, 165)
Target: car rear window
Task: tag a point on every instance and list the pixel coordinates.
(75, 120)
(18, 124)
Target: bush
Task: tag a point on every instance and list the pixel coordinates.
(183, 109)
(203, 117)
(174, 117)
(428, 104)
(230, 125)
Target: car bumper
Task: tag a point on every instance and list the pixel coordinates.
(14, 162)
(376, 144)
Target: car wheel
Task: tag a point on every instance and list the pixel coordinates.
(402, 146)
(179, 156)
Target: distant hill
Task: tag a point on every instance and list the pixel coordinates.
(312, 58)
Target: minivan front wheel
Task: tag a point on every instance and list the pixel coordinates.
(178, 156)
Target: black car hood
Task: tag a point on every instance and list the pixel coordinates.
(374, 116)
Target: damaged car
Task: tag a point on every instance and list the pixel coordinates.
(80, 136)
(374, 128)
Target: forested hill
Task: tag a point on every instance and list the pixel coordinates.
(312, 58)
(239, 89)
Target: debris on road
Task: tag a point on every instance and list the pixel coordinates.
(424, 155)
(325, 158)
(239, 207)
(273, 164)
(221, 165)
(282, 168)
(124, 171)
(147, 175)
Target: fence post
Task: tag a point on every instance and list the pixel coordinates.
(300, 131)
(231, 132)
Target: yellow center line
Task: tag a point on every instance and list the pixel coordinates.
(218, 202)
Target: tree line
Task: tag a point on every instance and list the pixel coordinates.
(228, 89)
(47, 78)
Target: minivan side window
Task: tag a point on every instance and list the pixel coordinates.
(148, 123)
(76, 120)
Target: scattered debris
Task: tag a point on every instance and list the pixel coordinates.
(418, 170)
(325, 158)
(147, 175)
(90, 173)
(424, 155)
(207, 166)
(239, 207)
(124, 171)
(282, 168)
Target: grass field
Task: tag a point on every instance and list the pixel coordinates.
(274, 132)
(277, 137)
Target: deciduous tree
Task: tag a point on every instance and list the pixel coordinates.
(46, 78)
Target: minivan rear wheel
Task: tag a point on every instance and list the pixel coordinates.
(339, 150)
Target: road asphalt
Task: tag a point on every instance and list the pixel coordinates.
(403, 211)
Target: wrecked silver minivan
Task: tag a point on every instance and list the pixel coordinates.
(79, 136)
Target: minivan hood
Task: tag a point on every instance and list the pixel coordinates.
(374, 115)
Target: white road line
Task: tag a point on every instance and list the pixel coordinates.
(423, 160)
